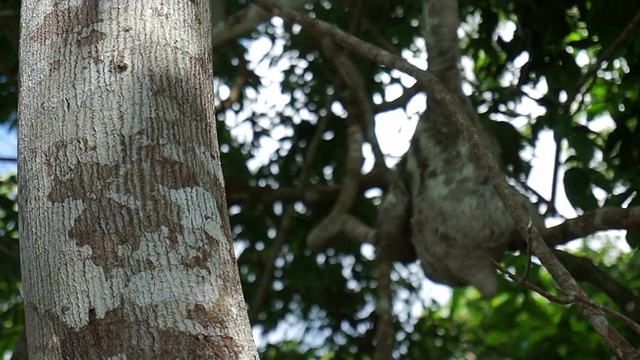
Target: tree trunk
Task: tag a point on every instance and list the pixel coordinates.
(125, 247)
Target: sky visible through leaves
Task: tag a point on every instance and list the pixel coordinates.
(8, 148)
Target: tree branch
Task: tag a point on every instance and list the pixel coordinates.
(592, 222)
(238, 192)
(248, 19)
(401, 101)
(329, 229)
(583, 269)
(586, 224)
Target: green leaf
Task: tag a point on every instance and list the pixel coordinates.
(582, 144)
(578, 189)
(633, 236)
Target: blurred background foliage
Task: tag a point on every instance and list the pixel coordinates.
(309, 305)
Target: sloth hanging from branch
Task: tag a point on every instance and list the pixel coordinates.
(441, 205)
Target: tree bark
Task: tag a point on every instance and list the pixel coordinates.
(126, 249)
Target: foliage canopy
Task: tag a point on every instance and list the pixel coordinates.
(323, 303)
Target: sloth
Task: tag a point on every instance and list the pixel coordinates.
(441, 207)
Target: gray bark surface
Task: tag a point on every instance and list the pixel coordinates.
(126, 249)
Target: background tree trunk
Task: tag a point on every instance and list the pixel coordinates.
(126, 250)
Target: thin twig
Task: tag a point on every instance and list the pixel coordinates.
(545, 294)
(357, 14)
(570, 299)
(285, 224)
(360, 99)
(608, 53)
(528, 253)
(528, 190)
(401, 101)
(556, 169)
(239, 82)
(8, 13)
